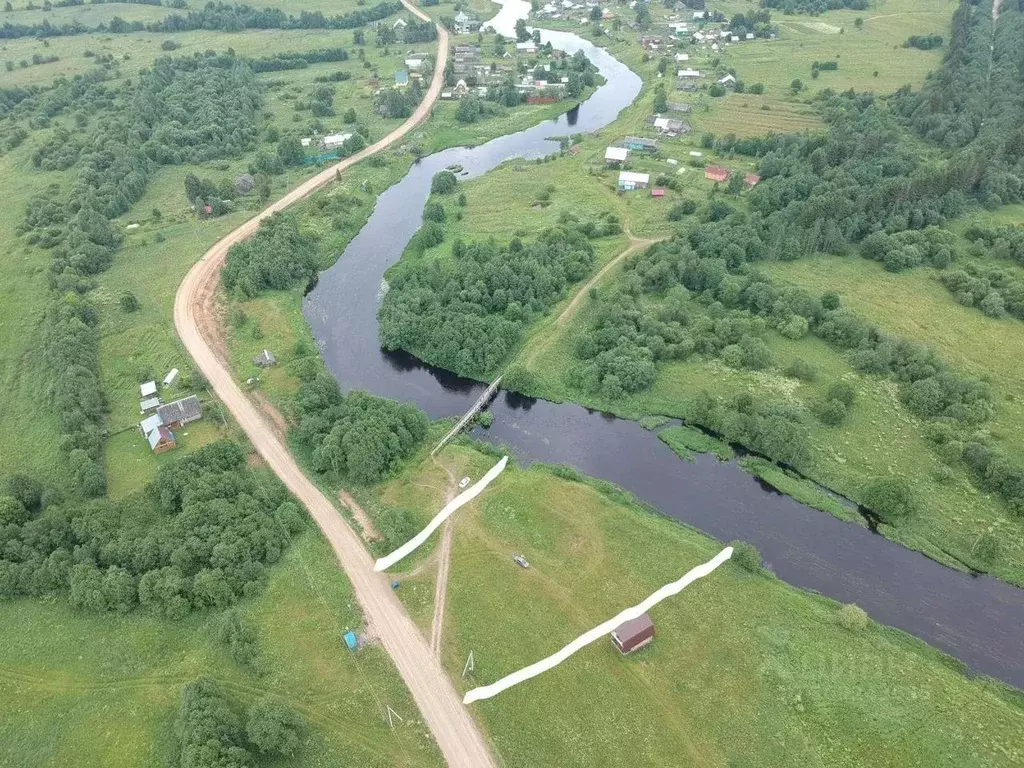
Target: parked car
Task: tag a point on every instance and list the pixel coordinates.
(521, 561)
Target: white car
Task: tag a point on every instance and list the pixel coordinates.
(463, 482)
(521, 561)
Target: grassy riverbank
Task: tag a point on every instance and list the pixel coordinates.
(740, 657)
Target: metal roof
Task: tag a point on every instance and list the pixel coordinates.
(185, 410)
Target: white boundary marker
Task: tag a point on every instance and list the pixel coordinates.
(487, 691)
(449, 509)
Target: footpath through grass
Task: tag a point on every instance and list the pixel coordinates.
(744, 670)
(84, 690)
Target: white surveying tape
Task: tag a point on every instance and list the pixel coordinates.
(486, 691)
(466, 496)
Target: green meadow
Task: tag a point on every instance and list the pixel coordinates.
(79, 689)
(739, 659)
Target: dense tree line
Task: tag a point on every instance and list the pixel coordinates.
(975, 103)
(199, 537)
(815, 7)
(71, 342)
(213, 732)
(468, 313)
(359, 436)
(224, 17)
(993, 290)
(272, 259)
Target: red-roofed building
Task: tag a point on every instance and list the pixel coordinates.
(714, 173)
(752, 179)
(657, 192)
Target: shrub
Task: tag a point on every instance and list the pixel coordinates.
(680, 209)
(128, 302)
(274, 728)
(889, 497)
(746, 556)
(801, 369)
(831, 412)
(396, 526)
(986, 547)
(852, 618)
(843, 391)
(443, 183)
(240, 639)
(433, 211)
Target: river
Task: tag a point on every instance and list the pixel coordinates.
(977, 619)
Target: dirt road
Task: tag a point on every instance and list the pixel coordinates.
(457, 735)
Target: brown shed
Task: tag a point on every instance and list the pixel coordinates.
(634, 634)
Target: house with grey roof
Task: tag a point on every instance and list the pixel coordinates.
(181, 412)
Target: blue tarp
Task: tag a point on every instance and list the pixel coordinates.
(350, 640)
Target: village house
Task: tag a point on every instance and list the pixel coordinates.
(716, 174)
(750, 36)
(413, 63)
(700, 15)
(727, 80)
(670, 126)
(638, 144)
(688, 74)
(465, 24)
(676, 107)
(401, 78)
(147, 389)
(680, 57)
(161, 440)
(334, 140)
(529, 47)
(399, 24)
(615, 155)
(629, 181)
(461, 90)
(180, 412)
(148, 404)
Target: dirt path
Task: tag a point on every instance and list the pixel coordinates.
(635, 244)
(444, 560)
(460, 741)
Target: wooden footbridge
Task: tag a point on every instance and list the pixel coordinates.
(479, 405)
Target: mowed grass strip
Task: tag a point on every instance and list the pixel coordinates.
(739, 659)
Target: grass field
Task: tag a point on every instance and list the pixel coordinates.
(78, 689)
(739, 659)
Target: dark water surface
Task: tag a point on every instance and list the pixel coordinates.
(979, 620)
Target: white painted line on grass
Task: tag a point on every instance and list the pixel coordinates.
(467, 495)
(486, 691)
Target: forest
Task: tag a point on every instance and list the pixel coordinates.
(815, 7)
(467, 314)
(220, 16)
(358, 436)
(199, 537)
(272, 259)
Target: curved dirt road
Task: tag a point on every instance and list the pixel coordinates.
(457, 735)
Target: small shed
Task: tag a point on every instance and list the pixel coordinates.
(181, 412)
(634, 634)
(714, 173)
(161, 440)
(629, 181)
(149, 404)
(614, 155)
(688, 74)
(147, 389)
(171, 378)
(351, 641)
(265, 359)
(657, 192)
